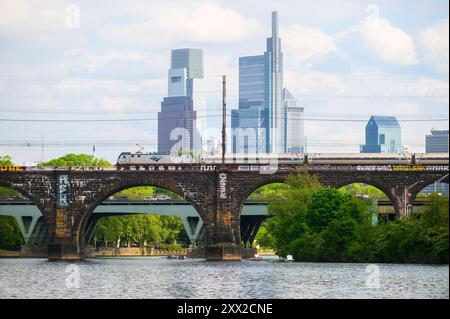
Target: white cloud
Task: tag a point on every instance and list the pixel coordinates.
(376, 37)
(204, 22)
(305, 43)
(433, 42)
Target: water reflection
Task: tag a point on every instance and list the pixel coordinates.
(156, 277)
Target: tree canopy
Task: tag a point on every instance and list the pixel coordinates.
(6, 160)
(315, 223)
(77, 160)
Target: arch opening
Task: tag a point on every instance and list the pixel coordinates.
(22, 225)
(378, 203)
(441, 188)
(140, 220)
(255, 219)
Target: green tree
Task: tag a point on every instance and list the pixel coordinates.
(5, 192)
(83, 160)
(288, 206)
(359, 189)
(264, 238)
(436, 211)
(6, 160)
(10, 236)
(136, 193)
(326, 206)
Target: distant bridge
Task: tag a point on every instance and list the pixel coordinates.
(31, 224)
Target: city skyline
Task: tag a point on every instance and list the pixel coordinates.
(341, 67)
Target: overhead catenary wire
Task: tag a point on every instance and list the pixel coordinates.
(203, 116)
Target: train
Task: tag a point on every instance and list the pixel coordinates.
(142, 159)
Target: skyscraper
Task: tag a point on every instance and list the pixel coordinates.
(186, 78)
(261, 113)
(185, 103)
(176, 125)
(436, 142)
(383, 135)
(294, 124)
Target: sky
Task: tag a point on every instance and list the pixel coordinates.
(66, 61)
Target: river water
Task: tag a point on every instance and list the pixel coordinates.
(159, 277)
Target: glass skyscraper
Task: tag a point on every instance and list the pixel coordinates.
(186, 78)
(177, 118)
(383, 135)
(436, 142)
(185, 106)
(294, 124)
(261, 116)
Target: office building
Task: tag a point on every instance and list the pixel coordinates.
(183, 111)
(186, 78)
(436, 142)
(383, 135)
(295, 136)
(176, 125)
(259, 122)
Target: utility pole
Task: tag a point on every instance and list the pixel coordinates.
(224, 117)
(42, 147)
(438, 181)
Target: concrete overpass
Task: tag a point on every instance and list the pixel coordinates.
(31, 224)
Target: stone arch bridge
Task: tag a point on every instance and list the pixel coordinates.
(68, 196)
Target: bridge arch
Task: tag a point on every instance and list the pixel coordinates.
(431, 187)
(28, 195)
(31, 220)
(102, 196)
(255, 214)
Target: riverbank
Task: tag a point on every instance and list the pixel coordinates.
(197, 252)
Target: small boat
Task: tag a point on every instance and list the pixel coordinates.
(182, 257)
(289, 258)
(171, 257)
(256, 258)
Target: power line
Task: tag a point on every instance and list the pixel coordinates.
(204, 116)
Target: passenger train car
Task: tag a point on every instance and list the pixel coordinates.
(142, 159)
(431, 158)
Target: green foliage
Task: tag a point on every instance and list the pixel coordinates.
(323, 224)
(264, 238)
(10, 235)
(6, 160)
(5, 192)
(136, 193)
(83, 160)
(358, 189)
(139, 230)
(288, 206)
(436, 211)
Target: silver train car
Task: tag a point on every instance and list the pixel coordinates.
(256, 159)
(431, 159)
(137, 159)
(358, 158)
